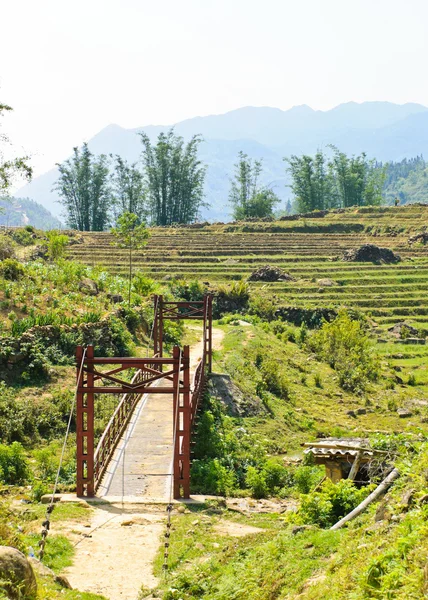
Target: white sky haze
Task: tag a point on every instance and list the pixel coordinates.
(69, 68)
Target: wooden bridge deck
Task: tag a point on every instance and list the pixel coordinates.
(142, 462)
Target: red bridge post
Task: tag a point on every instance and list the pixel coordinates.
(85, 424)
(181, 423)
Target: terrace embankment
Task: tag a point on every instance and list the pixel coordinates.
(311, 251)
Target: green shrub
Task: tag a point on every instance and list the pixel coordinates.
(256, 482)
(14, 469)
(262, 306)
(274, 379)
(193, 291)
(306, 477)
(412, 379)
(11, 269)
(318, 381)
(57, 244)
(143, 285)
(7, 247)
(332, 502)
(23, 237)
(232, 298)
(211, 477)
(346, 347)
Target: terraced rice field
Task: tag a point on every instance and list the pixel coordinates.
(223, 253)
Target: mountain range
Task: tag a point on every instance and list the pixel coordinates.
(383, 130)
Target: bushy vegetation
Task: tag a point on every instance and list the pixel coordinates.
(345, 345)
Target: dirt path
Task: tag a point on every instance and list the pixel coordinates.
(116, 549)
(116, 559)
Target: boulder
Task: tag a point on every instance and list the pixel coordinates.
(404, 413)
(269, 273)
(403, 330)
(421, 238)
(115, 298)
(16, 575)
(371, 253)
(88, 286)
(326, 282)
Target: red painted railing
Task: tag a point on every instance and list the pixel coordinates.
(116, 426)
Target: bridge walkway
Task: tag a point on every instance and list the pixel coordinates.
(141, 465)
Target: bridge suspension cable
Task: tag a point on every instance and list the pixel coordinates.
(46, 523)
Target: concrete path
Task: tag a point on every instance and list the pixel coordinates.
(142, 462)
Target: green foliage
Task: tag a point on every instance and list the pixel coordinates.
(132, 235)
(57, 244)
(7, 247)
(143, 285)
(83, 186)
(223, 452)
(14, 468)
(248, 198)
(28, 422)
(343, 181)
(191, 291)
(347, 348)
(231, 298)
(332, 502)
(174, 177)
(406, 181)
(128, 188)
(11, 269)
(273, 379)
(23, 237)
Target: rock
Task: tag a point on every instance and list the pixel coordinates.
(46, 498)
(423, 500)
(44, 570)
(421, 238)
(88, 286)
(115, 298)
(17, 573)
(404, 413)
(269, 273)
(403, 330)
(326, 282)
(299, 528)
(361, 411)
(351, 413)
(414, 340)
(371, 253)
(407, 498)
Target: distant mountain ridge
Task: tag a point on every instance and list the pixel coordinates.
(383, 130)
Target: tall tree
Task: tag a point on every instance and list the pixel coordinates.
(357, 180)
(247, 196)
(311, 181)
(132, 235)
(11, 167)
(342, 181)
(84, 188)
(175, 178)
(128, 188)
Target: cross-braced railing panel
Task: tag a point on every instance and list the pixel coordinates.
(93, 380)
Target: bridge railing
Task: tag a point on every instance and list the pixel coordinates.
(117, 424)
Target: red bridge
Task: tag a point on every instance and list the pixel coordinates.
(175, 403)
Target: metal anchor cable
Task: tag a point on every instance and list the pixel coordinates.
(46, 525)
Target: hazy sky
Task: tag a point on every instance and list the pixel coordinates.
(69, 68)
